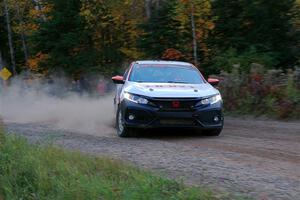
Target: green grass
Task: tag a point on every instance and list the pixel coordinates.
(35, 172)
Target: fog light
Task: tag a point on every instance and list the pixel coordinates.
(216, 119)
(131, 117)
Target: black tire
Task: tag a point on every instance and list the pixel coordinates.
(122, 130)
(212, 132)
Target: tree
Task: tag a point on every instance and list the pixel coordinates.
(195, 47)
(127, 25)
(113, 25)
(148, 8)
(296, 29)
(21, 9)
(18, 31)
(64, 40)
(1, 60)
(257, 23)
(161, 31)
(40, 9)
(3, 41)
(9, 34)
(196, 23)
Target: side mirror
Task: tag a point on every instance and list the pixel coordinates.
(118, 79)
(213, 81)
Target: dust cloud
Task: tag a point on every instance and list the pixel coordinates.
(54, 103)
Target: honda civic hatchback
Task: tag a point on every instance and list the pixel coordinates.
(154, 94)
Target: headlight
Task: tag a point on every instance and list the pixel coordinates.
(211, 100)
(135, 98)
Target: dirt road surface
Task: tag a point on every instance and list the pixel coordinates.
(255, 158)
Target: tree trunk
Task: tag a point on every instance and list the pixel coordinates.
(195, 48)
(157, 4)
(1, 61)
(23, 37)
(148, 8)
(1, 80)
(9, 33)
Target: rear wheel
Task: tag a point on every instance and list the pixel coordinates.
(122, 130)
(213, 132)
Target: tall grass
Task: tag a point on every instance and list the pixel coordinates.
(34, 172)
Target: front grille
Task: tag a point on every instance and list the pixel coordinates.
(168, 104)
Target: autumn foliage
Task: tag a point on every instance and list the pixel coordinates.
(103, 36)
(172, 54)
(35, 62)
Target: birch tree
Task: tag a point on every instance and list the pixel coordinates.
(195, 48)
(148, 4)
(196, 23)
(22, 32)
(9, 34)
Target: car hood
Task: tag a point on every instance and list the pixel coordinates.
(170, 90)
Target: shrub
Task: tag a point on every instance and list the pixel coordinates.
(228, 59)
(262, 92)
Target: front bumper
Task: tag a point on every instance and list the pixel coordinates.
(147, 116)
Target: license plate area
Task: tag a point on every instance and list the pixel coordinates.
(187, 122)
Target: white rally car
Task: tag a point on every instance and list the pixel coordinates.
(154, 94)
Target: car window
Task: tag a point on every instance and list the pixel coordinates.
(165, 74)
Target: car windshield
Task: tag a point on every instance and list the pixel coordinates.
(165, 74)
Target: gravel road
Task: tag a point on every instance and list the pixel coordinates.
(255, 158)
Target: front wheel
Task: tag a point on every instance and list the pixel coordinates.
(122, 130)
(213, 132)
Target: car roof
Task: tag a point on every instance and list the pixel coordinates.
(162, 62)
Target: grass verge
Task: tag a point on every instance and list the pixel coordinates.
(34, 172)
